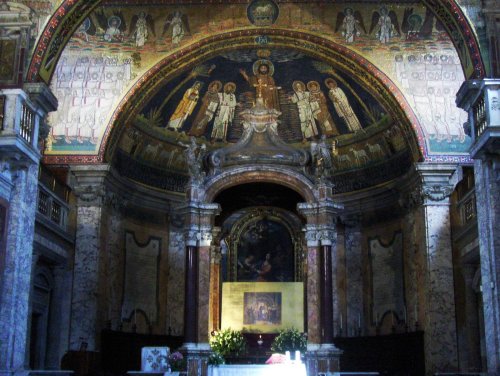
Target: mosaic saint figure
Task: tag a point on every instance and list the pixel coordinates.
(225, 115)
(302, 99)
(262, 80)
(177, 25)
(209, 105)
(351, 24)
(320, 109)
(141, 25)
(342, 106)
(113, 32)
(185, 107)
(386, 24)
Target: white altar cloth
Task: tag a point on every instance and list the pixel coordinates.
(292, 369)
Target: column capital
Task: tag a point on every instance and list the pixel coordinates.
(320, 212)
(312, 235)
(327, 234)
(88, 183)
(437, 182)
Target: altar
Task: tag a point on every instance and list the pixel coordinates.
(291, 369)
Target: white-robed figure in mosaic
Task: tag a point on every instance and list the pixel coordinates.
(342, 106)
(225, 115)
(302, 99)
(185, 107)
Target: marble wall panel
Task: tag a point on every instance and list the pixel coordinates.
(176, 282)
(141, 279)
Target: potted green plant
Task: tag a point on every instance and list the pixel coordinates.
(289, 339)
(228, 342)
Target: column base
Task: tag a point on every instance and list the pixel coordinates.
(322, 358)
(197, 355)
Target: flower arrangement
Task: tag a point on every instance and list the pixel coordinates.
(289, 340)
(228, 342)
(176, 361)
(215, 359)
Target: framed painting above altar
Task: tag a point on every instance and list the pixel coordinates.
(262, 307)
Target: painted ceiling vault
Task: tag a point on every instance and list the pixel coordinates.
(127, 91)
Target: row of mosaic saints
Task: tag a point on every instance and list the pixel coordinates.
(384, 25)
(219, 104)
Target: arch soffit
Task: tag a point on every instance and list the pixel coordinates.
(71, 13)
(243, 175)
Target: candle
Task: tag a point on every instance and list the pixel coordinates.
(297, 356)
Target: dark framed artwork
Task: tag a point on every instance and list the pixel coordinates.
(265, 252)
(262, 308)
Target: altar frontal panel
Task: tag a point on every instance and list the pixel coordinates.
(262, 307)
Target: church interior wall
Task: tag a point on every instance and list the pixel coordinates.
(382, 267)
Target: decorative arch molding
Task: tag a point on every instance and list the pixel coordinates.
(376, 82)
(71, 13)
(260, 174)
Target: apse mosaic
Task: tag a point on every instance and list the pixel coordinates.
(116, 45)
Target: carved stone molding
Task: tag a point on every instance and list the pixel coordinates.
(90, 195)
(327, 236)
(436, 192)
(312, 235)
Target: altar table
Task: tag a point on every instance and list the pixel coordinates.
(291, 369)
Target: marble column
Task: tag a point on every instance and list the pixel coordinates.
(17, 273)
(354, 281)
(440, 339)
(199, 224)
(88, 184)
(322, 299)
(19, 161)
(481, 99)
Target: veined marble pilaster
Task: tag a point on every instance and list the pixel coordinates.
(354, 282)
(176, 270)
(439, 323)
(487, 180)
(88, 186)
(114, 259)
(16, 286)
